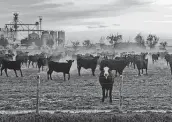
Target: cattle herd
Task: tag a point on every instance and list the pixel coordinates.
(106, 65)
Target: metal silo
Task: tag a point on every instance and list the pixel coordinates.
(53, 35)
(61, 38)
(44, 37)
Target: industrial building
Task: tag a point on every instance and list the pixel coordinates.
(34, 33)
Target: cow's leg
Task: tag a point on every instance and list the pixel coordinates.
(93, 70)
(106, 94)
(116, 73)
(36, 64)
(79, 70)
(139, 72)
(32, 64)
(64, 75)
(2, 68)
(21, 73)
(110, 95)
(39, 66)
(103, 94)
(15, 72)
(28, 63)
(142, 70)
(134, 65)
(48, 72)
(146, 71)
(6, 72)
(68, 76)
(42, 68)
(51, 76)
(131, 63)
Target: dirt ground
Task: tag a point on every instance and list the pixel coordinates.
(152, 91)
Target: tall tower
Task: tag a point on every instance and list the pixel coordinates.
(15, 26)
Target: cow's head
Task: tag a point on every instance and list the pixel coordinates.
(70, 61)
(106, 72)
(97, 57)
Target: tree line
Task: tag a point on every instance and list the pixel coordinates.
(151, 41)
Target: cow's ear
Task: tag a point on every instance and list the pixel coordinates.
(72, 60)
(67, 60)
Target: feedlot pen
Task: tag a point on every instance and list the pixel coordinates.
(152, 91)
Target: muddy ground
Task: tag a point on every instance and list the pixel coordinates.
(152, 91)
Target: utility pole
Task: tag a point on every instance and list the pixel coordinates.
(15, 25)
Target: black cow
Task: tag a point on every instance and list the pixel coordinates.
(142, 56)
(142, 64)
(106, 80)
(155, 57)
(115, 64)
(33, 59)
(22, 58)
(41, 62)
(167, 58)
(131, 59)
(59, 67)
(8, 57)
(15, 65)
(87, 62)
(170, 62)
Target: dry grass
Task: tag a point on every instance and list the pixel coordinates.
(83, 117)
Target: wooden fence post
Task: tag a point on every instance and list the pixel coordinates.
(37, 97)
(120, 94)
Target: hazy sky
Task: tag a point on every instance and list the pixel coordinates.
(92, 19)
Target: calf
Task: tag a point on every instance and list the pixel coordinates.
(167, 58)
(33, 59)
(106, 81)
(155, 57)
(59, 67)
(142, 64)
(87, 62)
(138, 57)
(15, 65)
(42, 61)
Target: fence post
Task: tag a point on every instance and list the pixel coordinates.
(37, 97)
(120, 93)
